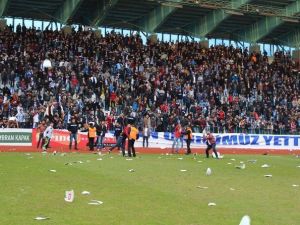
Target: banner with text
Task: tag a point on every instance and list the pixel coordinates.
(15, 137)
(233, 140)
(161, 140)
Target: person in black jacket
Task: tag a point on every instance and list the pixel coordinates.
(118, 131)
(73, 128)
(101, 131)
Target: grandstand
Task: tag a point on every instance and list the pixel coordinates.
(227, 86)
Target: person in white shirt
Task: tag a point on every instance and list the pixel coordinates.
(47, 136)
(146, 134)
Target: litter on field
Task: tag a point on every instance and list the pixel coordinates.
(95, 202)
(131, 170)
(268, 175)
(99, 159)
(53, 171)
(208, 172)
(232, 159)
(199, 161)
(85, 193)
(265, 166)
(245, 220)
(129, 159)
(242, 167)
(180, 158)
(231, 189)
(229, 163)
(183, 170)
(295, 185)
(41, 218)
(202, 187)
(212, 204)
(252, 161)
(69, 196)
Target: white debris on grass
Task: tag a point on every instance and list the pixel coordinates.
(295, 185)
(41, 218)
(208, 172)
(95, 202)
(131, 170)
(202, 187)
(242, 167)
(53, 171)
(212, 204)
(183, 170)
(232, 159)
(268, 175)
(99, 159)
(85, 193)
(129, 159)
(231, 189)
(252, 161)
(180, 158)
(229, 163)
(265, 166)
(69, 196)
(245, 220)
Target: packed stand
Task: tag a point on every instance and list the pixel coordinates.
(116, 77)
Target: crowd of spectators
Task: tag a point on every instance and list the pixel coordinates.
(112, 77)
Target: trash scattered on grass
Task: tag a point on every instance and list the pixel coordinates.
(208, 172)
(183, 170)
(180, 158)
(129, 159)
(99, 159)
(69, 196)
(199, 161)
(229, 163)
(232, 159)
(242, 167)
(202, 187)
(53, 171)
(295, 185)
(252, 161)
(85, 193)
(268, 175)
(245, 220)
(41, 218)
(70, 164)
(95, 202)
(131, 170)
(265, 166)
(212, 204)
(231, 189)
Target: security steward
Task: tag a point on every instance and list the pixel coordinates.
(91, 136)
(133, 136)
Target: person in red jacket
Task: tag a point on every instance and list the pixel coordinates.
(211, 144)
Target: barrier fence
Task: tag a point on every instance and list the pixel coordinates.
(29, 137)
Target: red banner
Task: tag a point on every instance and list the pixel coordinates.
(61, 138)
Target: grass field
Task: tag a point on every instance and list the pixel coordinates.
(157, 192)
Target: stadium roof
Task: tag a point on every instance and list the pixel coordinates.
(254, 21)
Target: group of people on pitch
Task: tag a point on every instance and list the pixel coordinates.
(129, 132)
(187, 134)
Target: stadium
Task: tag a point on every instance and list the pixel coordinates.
(150, 112)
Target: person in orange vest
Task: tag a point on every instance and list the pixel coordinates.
(91, 135)
(133, 136)
(188, 138)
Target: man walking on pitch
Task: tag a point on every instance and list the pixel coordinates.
(211, 144)
(73, 128)
(47, 136)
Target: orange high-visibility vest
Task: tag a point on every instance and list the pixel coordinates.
(92, 132)
(133, 133)
(189, 136)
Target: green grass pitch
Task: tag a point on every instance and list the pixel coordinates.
(157, 192)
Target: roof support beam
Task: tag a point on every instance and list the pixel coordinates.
(156, 18)
(292, 39)
(212, 20)
(263, 27)
(103, 12)
(3, 6)
(67, 10)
